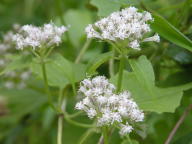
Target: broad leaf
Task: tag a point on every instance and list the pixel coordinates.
(179, 54)
(99, 60)
(141, 83)
(106, 7)
(18, 62)
(186, 139)
(169, 32)
(128, 142)
(20, 103)
(60, 71)
(73, 18)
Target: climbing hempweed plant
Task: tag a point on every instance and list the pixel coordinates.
(105, 100)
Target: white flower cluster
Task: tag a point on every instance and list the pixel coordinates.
(16, 78)
(127, 24)
(38, 37)
(6, 45)
(101, 102)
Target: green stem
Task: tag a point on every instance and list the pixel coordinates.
(129, 140)
(85, 136)
(111, 65)
(120, 75)
(105, 135)
(75, 114)
(60, 129)
(76, 123)
(60, 117)
(60, 97)
(74, 89)
(49, 52)
(115, 46)
(59, 10)
(46, 83)
(83, 50)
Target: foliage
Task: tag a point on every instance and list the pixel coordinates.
(158, 76)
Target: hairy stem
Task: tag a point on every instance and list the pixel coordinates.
(115, 47)
(83, 50)
(111, 65)
(60, 129)
(85, 136)
(60, 98)
(75, 114)
(120, 75)
(105, 135)
(69, 120)
(47, 90)
(60, 11)
(74, 89)
(178, 124)
(60, 117)
(129, 140)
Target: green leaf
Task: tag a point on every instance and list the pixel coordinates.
(141, 83)
(21, 102)
(128, 142)
(55, 75)
(73, 18)
(169, 32)
(106, 7)
(60, 71)
(18, 62)
(186, 139)
(99, 60)
(179, 54)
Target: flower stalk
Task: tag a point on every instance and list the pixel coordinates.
(105, 135)
(120, 75)
(47, 90)
(60, 129)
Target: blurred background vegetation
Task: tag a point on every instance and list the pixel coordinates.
(25, 117)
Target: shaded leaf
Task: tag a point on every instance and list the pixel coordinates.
(21, 102)
(141, 83)
(73, 18)
(181, 55)
(18, 62)
(186, 139)
(128, 142)
(106, 7)
(60, 71)
(169, 32)
(99, 60)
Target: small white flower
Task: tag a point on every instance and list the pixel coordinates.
(105, 119)
(91, 113)
(113, 99)
(25, 75)
(2, 62)
(155, 38)
(101, 99)
(9, 84)
(115, 117)
(21, 85)
(135, 45)
(80, 105)
(125, 129)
